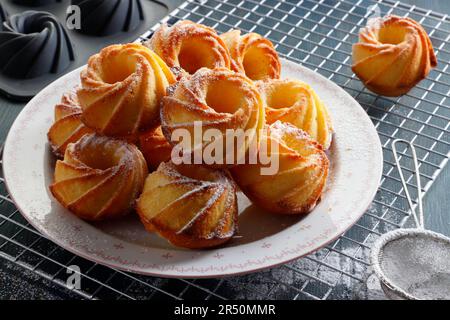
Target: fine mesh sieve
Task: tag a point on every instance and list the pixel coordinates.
(413, 263)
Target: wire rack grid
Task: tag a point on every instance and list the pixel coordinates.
(319, 35)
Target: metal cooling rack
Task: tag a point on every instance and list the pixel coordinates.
(319, 35)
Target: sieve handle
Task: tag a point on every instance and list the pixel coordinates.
(418, 219)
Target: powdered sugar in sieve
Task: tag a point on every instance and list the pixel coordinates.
(413, 263)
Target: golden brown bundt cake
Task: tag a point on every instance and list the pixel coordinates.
(191, 206)
(297, 185)
(122, 88)
(67, 127)
(99, 178)
(154, 147)
(189, 46)
(393, 54)
(296, 102)
(214, 99)
(252, 55)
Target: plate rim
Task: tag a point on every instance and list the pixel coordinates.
(214, 273)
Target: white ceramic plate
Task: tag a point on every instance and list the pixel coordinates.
(264, 240)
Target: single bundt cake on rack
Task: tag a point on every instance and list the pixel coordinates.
(294, 185)
(191, 206)
(99, 178)
(296, 102)
(189, 46)
(253, 55)
(34, 43)
(67, 127)
(122, 88)
(393, 54)
(154, 147)
(226, 102)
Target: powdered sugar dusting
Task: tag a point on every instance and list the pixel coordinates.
(419, 264)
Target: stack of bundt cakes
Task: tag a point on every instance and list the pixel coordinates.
(137, 103)
(132, 103)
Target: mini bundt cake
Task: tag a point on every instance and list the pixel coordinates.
(34, 43)
(154, 147)
(296, 102)
(104, 18)
(189, 46)
(67, 127)
(393, 54)
(302, 171)
(191, 206)
(122, 88)
(219, 99)
(252, 55)
(99, 178)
